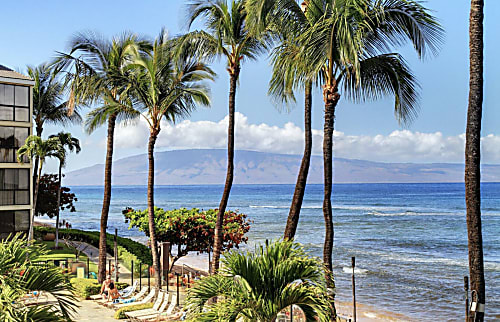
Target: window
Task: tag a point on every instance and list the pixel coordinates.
(11, 139)
(11, 221)
(14, 187)
(14, 103)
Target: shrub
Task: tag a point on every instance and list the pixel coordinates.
(120, 314)
(85, 288)
(140, 251)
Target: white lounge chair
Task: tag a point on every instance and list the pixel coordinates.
(167, 313)
(158, 304)
(145, 300)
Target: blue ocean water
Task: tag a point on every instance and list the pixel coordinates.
(409, 240)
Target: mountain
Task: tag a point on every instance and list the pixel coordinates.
(187, 167)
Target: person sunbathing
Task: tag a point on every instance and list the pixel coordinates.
(113, 293)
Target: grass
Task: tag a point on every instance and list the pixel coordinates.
(64, 252)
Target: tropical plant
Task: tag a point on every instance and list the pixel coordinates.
(257, 286)
(473, 155)
(65, 141)
(48, 200)
(21, 276)
(227, 37)
(191, 230)
(348, 46)
(96, 70)
(49, 104)
(36, 147)
(167, 84)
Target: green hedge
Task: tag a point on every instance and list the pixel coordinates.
(85, 288)
(120, 314)
(140, 251)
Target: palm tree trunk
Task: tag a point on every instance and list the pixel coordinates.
(473, 155)
(37, 185)
(300, 186)
(151, 206)
(107, 198)
(58, 203)
(39, 130)
(218, 238)
(331, 98)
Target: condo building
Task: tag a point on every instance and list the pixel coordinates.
(16, 186)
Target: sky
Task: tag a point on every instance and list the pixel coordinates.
(32, 31)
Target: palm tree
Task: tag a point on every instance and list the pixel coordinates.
(96, 69)
(36, 147)
(21, 273)
(287, 20)
(473, 154)
(49, 104)
(167, 85)
(348, 46)
(65, 140)
(257, 286)
(226, 37)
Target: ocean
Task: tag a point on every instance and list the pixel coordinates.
(409, 240)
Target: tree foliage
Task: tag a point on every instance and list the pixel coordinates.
(192, 230)
(46, 203)
(20, 275)
(257, 286)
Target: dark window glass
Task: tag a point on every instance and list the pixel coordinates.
(7, 222)
(21, 98)
(6, 113)
(6, 94)
(14, 187)
(6, 198)
(7, 137)
(6, 155)
(11, 139)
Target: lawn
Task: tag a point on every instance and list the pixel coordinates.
(64, 253)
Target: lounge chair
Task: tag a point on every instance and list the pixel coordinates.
(133, 301)
(126, 292)
(155, 309)
(167, 313)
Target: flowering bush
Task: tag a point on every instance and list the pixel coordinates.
(192, 230)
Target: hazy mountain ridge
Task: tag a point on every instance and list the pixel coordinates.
(208, 166)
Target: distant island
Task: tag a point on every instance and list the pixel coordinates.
(208, 166)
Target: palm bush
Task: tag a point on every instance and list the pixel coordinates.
(257, 286)
(20, 275)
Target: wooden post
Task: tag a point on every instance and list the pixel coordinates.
(291, 313)
(109, 267)
(177, 288)
(149, 278)
(132, 273)
(165, 260)
(189, 280)
(115, 239)
(140, 275)
(466, 289)
(353, 261)
(88, 267)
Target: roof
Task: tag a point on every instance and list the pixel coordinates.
(9, 73)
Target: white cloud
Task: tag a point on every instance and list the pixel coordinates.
(398, 146)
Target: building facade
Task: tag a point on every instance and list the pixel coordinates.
(16, 181)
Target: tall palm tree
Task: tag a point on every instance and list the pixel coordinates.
(36, 147)
(226, 37)
(348, 46)
(257, 286)
(22, 273)
(473, 154)
(49, 104)
(167, 84)
(65, 141)
(96, 69)
(286, 20)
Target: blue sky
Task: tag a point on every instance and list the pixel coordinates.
(33, 30)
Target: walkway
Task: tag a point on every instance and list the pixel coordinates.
(91, 311)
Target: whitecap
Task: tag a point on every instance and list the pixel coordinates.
(357, 270)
